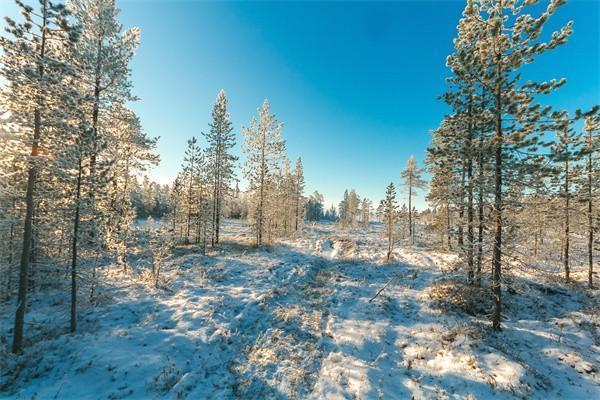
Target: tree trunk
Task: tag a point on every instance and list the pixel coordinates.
(74, 253)
(497, 252)
(30, 203)
(480, 210)
(590, 216)
(461, 209)
(261, 198)
(567, 205)
(297, 216)
(11, 245)
(470, 266)
(410, 229)
(390, 232)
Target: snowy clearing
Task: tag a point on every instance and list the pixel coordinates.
(294, 321)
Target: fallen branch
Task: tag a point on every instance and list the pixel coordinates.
(382, 289)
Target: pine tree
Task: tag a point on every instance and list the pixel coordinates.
(506, 39)
(264, 149)
(413, 181)
(591, 187)
(565, 153)
(220, 161)
(314, 207)
(194, 185)
(298, 195)
(104, 53)
(33, 65)
(390, 211)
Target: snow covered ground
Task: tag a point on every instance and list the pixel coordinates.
(295, 321)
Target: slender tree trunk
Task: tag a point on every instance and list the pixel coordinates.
(480, 210)
(215, 200)
(74, 252)
(29, 204)
(96, 109)
(297, 208)
(567, 205)
(461, 209)
(11, 249)
(95, 115)
(218, 215)
(410, 229)
(174, 220)
(189, 205)
(590, 215)
(390, 230)
(497, 252)
(470, 236)
(261, 196)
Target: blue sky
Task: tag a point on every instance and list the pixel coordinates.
(355, 83)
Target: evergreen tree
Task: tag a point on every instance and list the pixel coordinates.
(298, 195)
(390, 211)
(34, 67)
(220, 161)
(413, 180)
(590, 185)
(264, 149)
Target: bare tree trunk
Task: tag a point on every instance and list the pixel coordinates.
(410, 227)
(390, 231)
(30, 203)
(74, 252)
(297, 208)
(189, 205)
(480, 210)
(470, 236)
(218, 213)
(497, 252)
(96, 109)
(590, 217)
(214, 202)
(261, 198)
(567, 205)
(461, 209)
(11, 245)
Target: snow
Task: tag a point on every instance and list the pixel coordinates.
(295, 320)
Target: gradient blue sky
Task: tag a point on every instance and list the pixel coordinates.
(355, 83)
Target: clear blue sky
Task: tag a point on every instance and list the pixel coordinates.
(355, 83)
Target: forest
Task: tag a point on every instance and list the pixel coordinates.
(234, 281)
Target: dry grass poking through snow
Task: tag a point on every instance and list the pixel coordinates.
(294, 321)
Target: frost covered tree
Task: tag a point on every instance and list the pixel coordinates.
(220, 161)
(298, 195)
(390, 214)
(104, 52)
(314, 207)
(34, 67)
(349, 208)
(496, 38)
(265, 149)
(589, 182)
(365, 211)
(565, 154)
(130, 152)
(413, 180)
(195, 206)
